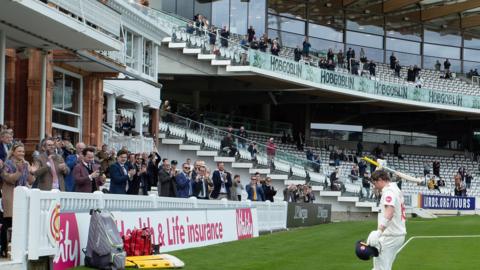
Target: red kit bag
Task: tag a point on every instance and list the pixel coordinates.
(138, 242)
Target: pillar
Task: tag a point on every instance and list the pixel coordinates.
(266, 112)
(92, 132)
(3, 42)
(196, 100)
(111, 110)
(155, 124)
(10, 94)
(307, 121)
(139, 118)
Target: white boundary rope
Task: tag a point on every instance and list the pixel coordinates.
(436, 236)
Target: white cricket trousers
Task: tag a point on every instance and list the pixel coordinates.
(389, 248)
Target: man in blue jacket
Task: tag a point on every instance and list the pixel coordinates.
(71, 161)
(254, 191)
(119, 176)
(184, 182)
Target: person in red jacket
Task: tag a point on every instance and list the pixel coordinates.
(271, 148)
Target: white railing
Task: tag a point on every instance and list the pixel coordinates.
(94, 12)
(138, 144)
(32, 213)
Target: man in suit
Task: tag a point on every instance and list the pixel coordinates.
(119, 176)
(87, 173)
(6, 139)
(201, 183)
(166, 181)
(222, 182)
(254, 191)
(52, 169)
(184, 182)
(72, 161)
(138, 185)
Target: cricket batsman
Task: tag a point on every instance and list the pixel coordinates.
(391, 230)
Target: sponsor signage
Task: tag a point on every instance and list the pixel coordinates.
(323, 77)
(172, 229)
(446, 202)
(307, 214)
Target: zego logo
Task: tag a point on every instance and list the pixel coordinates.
(68, 252)
(244, 223)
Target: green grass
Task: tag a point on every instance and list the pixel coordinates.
(331, 246)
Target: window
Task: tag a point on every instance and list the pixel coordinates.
(238, 16)
(148, 58)
(203, 8)
(185, 8)
(323, 45)
(66, 98)
(362, 39)
(281, 7)
(471, 42)
(220, 14)
(131, 49)
(400, 45)
(286, 24)
(441, 51)
(256, 16)
(441, 38)
(286, 39)
(372, 29)
(471, 55)
(324, 32)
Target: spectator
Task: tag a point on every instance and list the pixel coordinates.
(362, 167)
(166, 180)
(275, 49)
(371, 67)
(297, 54)
(104, 158)
(306, 47)
(410, 74)
(359, 148)
(462, 172)
(15, 171)
(242, 137)
(341, 59)
(468, 180)
(330, 55)
(119, 175)
(86, 173)
(446, 65)
(334, 180)
(350, 55)
(165, 112)
(225, 34)
(268, 190)
(237, 187)
(397, 68)
(51, 168)
(263, 44)
(396, 147)
(271, 148)
(72, 160)
(250, 33)
(416, 71)
(254, 191)
(432, 184)
(393, 60)
(306, 194)
(284, 137)
(366, 184)
(222, 182)
(426, 169)
(290, 194)
(6, 139)
(438, 66)
(190, 28)
(201, 184)
(227, 145)
(354, 173)
(460, 189)
(419, 82)
(154, 160)
(138, 185)
(212, 39)
(184, 182)
(252, 149)
(436, 168)
(448, 75)
(309, 154)
(363, 57)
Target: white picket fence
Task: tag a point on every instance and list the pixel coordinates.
(31, 214)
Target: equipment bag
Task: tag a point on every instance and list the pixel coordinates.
(138, 242)
(104, 246)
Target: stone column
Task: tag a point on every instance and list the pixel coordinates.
(139, 118)
(155, 125)
(111, 110)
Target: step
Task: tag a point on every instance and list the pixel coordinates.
(376, 209)
(11, 265)
(221, 62)
(423, 213)
(317, 188)
(166, 40)
(177, 45)
(206, 56)
(207, 153)
(172, 141)
(328, 193)
(162, 135)
(260, 171)
(242, 165)
(278, 176)
(189, 147)
(294, 182)
(365, 204)
(224, 159)
(347, 199)
(192, 50)
(238, 68)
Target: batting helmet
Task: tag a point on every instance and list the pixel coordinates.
(364, 251)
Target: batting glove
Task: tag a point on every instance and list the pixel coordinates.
(374, 238)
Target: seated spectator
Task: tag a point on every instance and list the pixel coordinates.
(252, 149)
(297, 54)
(354, 173)
(419, 82)
(460, 188)
(242, 137)
(331, 65)
(228, 146)
(334, 180)
(309, 154)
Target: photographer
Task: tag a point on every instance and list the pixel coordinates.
(88, 174)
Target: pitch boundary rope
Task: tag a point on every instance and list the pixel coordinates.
(436, 236)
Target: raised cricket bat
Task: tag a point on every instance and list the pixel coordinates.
(395, 172)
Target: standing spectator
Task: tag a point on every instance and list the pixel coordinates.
(330, 55)
(237, 187)
(72, 160)
(341, 59)
(184, 182)
(138, 185)
(363, 57)
(15, 171)
(51, 168)
(165, 110)
(396, 147)
(354, 173)
(254, 191)
(119, 175)
(166, 181)
(436, 168)
(250, 33)
(366, 184)
(359, 149)
(263, 44)
(334, 177)
(275, 49)
(371, 67)
(268, 190)
(410, 74)
(212, 39)
(416, 71)
(306, 47)
(426, 169)
(242, 137)
(86, 173)
(462, 172)
(297, 54)
(252, 149)
(152, 169)
(446, 65)
(290, 194)
(468, 180)
(104, 157)
(225, 34)
(397, 68)
(438, 66)
(350, 55)
(362, 167)
(6, 138)
(227, 145)
(222, 182)
(201, 183)
(271, 148)
(393, 60)
(460, 189)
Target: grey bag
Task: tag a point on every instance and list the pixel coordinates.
(104, 246)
